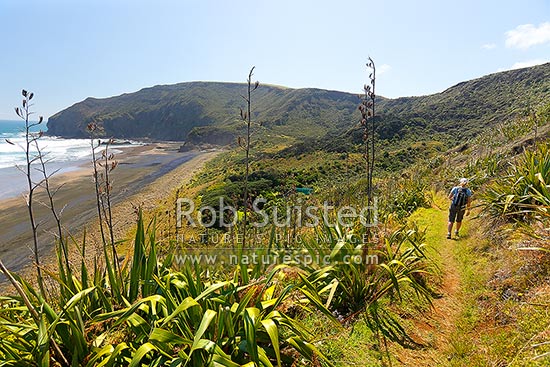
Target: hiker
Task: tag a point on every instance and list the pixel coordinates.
(460, 197)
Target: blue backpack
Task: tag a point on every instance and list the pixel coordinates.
(461, 197)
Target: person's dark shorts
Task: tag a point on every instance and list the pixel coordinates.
(456, 214)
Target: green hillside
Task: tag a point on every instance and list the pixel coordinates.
(203, 111)
(207, 112)
(469, 107)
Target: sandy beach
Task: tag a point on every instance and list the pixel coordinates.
(145, 175)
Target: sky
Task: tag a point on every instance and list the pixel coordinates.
(67, 50)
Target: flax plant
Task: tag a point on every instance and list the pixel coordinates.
(524, 190)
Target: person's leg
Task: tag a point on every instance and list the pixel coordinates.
(458, 225)
(449, 227)
(459, 217)
(452, 216)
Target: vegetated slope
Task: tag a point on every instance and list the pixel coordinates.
(469, 107)
(208, 111)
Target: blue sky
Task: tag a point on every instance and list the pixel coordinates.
(65, 51)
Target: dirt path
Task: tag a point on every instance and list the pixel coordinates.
(435, 330)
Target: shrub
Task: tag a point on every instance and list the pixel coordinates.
(351, 288)
(524, 191)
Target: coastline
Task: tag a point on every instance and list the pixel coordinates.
(14, 182)
(145, 175)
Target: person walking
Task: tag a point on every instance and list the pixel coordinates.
(461, 198)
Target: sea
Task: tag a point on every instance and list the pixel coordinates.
(64, 155)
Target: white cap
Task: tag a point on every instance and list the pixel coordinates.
(463, 181)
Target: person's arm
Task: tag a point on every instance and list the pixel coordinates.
(452, 194)
(468, 203)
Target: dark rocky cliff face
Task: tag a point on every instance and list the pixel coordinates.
(170, 122)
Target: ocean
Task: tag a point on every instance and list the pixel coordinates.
(56, 149)
(62, 154)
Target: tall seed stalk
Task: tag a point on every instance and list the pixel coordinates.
(50, 192)
(102, 168)
(108, 164)
(367, 108)
(30, 140)
(93, 130)
(246, 117)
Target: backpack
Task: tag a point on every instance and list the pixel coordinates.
(461, 197)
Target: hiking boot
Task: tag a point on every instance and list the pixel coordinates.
(448, 236)
(456, 235)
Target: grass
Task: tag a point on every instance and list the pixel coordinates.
(353, 345)
(432, 219)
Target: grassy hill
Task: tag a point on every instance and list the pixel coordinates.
(469, 107)
(208, 112)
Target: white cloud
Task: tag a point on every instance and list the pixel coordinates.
(488, 46)
(527, 35)
(524, 64)
(384, 68)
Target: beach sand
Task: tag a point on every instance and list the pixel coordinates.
(145, 175)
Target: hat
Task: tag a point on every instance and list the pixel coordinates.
(463, 181)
